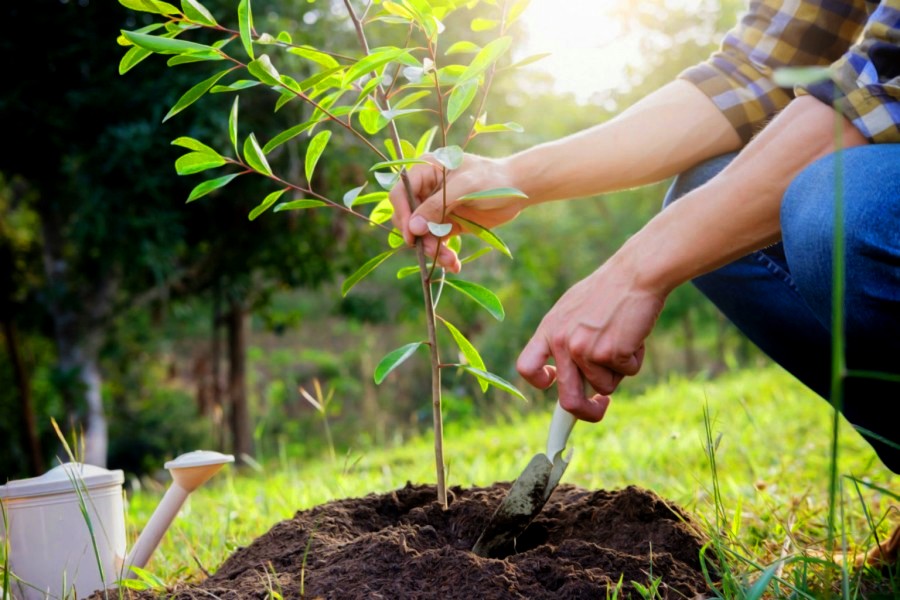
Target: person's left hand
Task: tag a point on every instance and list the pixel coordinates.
(594, 332)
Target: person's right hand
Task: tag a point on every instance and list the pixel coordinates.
(476, 174)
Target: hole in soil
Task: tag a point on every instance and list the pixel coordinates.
(403, 545)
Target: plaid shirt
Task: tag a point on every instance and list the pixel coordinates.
(860, 39)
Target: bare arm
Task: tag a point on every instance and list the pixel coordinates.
(596, 331)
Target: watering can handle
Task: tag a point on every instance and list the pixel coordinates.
(560, 427)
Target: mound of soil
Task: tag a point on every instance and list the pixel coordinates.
(403, 545)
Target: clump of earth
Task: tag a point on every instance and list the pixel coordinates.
(403, 545)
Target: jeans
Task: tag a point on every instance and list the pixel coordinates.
(781, 297)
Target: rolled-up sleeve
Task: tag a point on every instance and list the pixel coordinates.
(773, 34)
(865, 84)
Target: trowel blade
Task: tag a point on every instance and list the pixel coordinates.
(523, 502)
(559, 467)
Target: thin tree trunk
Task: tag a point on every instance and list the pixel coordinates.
(241, 430)
(29, 423)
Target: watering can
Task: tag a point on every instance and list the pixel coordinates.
(66, 529)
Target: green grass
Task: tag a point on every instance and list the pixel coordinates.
(772, 476)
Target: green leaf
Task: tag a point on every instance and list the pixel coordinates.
(266, 203)
(316, 56)
(350, 196)
(286, 135)
(406, 272)
(501, 192)
(468, 351)
(481, 24)
(463, 47)
(245, 24)
(386, 180)
(372, 62)
(370, 198)
(233, 125)
(150, 6)
(382, 212)
(400, 162)
(460, 99)
(148, 577)
(208, 186)
(195, 11)
(395, 238)
(299, 204)
(498, 127)
(450, 157)
(195, 145)
(528, 60)
(494, 380)
(486, 235)
(394, 359)
(424, 143)
(237, 86)
(163, 45)
(254, 156)
(486, 57)
(194, 57)
(439, 229)
(475, 255)
(131, 58)
(410, 99)
(364, 270)
(262, 69)
(479, 294)
(314, 151)
(194, 94)
(195, 162)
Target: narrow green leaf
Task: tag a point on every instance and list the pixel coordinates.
(195, 145)
(286, 135)
(194, 57)
(400, 162)
(131, 58)
(194, 94)
(392, 114)
(372, 62)
(299, 205)
(486, 235)
(267, 202)
(450, 157)
(350, 196)
(486, 57)
(494, 380)
(314, 151)
(163, 45)
(364, 270)
(406, 272)
(233, 125)
(263, 69)
(501, 192)
(498, 127)
(254, 156)
(148, 577)
(424, 144)
(382, 212)
(409, 99)
(245, 24)
(480, 24)
(195, 162)
(237, 86)
(475, 255)
(479, 294)
(195, 11)
(468, 351)
(528, 60)
(460, 99)
(463, 47)
(150, 6)
(208, 186)
(395, 238)
(455, 243)
(394, 359)
(316, 56)
(370, 198)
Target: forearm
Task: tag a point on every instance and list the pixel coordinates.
(738, 211)
(667, 132)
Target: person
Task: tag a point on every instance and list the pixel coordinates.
(750, 217)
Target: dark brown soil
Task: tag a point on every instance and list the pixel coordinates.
(402, 545)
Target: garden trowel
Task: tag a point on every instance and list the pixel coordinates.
(530, 491)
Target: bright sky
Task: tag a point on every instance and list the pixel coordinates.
(589, 50)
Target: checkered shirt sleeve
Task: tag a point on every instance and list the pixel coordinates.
(860, 38)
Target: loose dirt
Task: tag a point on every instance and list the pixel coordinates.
(402, 545)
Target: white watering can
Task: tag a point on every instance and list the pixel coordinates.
(51, 547)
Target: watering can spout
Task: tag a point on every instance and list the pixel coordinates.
(189, 471)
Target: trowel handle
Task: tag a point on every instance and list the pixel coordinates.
(560, 428)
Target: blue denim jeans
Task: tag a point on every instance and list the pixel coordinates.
(781, 297)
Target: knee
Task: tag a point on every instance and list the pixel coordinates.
(695, 177)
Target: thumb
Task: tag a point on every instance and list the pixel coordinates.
(431, 210)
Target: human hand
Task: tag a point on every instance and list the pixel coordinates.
(476, 174)
(594, 332)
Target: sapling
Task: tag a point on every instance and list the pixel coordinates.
(364, 95)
